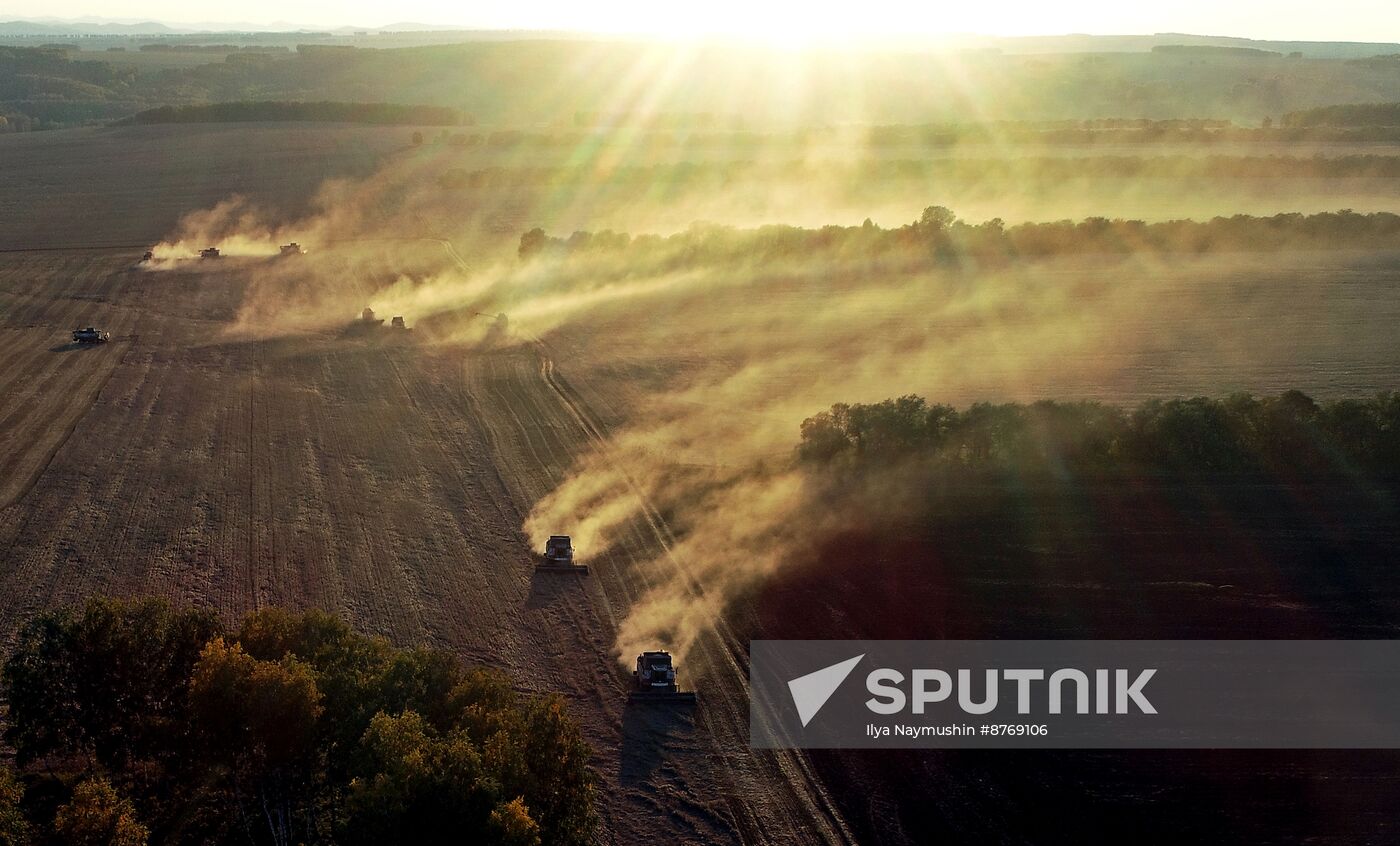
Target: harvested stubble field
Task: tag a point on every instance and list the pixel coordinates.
(384, 480)
(389, 480)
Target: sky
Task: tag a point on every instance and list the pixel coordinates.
(814, 20)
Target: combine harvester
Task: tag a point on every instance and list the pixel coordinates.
(90, 336)
(292, 249)
(559, 557)
(654, 680)
(367, 322)
(209, 253)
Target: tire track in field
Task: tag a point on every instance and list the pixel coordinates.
(817, 808)
(27, 393)
(816, 813)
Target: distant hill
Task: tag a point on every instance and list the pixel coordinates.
(1148, 43)
(37, 28)
(436, 33)
(516, 82)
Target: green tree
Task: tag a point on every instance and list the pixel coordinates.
(14, 829)
(296, 730)
(260, 718)
(558, 786)
(936, 219)
(510, 824)
(98, 816)
(532, 242)
(419, 786)
(108, 681)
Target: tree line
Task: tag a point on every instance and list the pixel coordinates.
(938, 237)
(498, 81)
(1289, 436)
(133, 722)
(1087, 133)
(863, 171)
(323, 112)
(1350, 115)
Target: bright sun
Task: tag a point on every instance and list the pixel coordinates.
(787, 24)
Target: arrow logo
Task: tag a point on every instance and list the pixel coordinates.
(810, 692)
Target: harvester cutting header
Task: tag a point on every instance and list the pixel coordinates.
(654, 680)
(559, 557)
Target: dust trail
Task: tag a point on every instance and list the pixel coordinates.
(734, 354)
(713, 453)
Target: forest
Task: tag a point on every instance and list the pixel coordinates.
(133, 720)
(939, 238)
(321, 112)
(1289, 435)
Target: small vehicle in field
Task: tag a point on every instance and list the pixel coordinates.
(91, 336)
(150, 255)
(209, 253)
(559, 557)
(654, 680)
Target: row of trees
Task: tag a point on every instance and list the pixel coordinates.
(132, 722)
(1106, 133)
(721, 175)
(324, 112)
(1288, 436)
(939, 237)
(1357, 114)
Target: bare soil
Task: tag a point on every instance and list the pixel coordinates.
(383, 481)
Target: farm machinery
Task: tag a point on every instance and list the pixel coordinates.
(292, 249)
(654, 680)
(559, 557)
(501, 324)
(91, 336)
(370, 325)
(209, 253)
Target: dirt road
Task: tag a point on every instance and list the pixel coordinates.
(375, 477)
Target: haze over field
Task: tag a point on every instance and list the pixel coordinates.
(709, 442)
(814, 325)
(776, 22)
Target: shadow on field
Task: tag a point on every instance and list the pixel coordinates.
(72, 346)
(1109, 561)
(547, 588)
(648, 729)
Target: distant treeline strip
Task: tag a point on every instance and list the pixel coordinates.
(1104, 132)
(320, 112)
(938, 238)
(719, 174)
(1287, 436)
(1216, 50)
(1352, 115)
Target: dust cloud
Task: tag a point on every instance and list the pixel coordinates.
(714, 454)
(701, 468)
